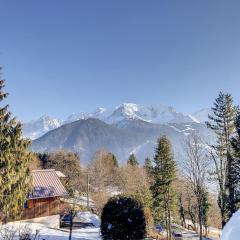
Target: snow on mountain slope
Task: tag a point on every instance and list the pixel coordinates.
(37, 128)
(125, 111)
(154, 114)
(158, 114)
(100, 113)
(202, 115)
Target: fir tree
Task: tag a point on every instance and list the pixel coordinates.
(114, 159)
(205, 210)
(132, 160)
(222, 123)
(15, 180)
(164, 174)
(235, 141)
(148, 166)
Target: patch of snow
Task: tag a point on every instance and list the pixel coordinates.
(90, 217)
(56, 234)
(109, 226)
(232, 229)
(194, 118)
(202, 115)
(176, 129)
(136, 149)
(188, 129)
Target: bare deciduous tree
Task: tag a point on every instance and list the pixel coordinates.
(195, 167)
(105, 177)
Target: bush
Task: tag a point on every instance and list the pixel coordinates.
(123, 218)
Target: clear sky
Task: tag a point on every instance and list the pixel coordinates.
(61, 56)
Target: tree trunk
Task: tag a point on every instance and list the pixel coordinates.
(169, 224)
(200, 229)
(200, 219)
(70, 230)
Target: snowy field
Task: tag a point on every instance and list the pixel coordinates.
(54, 234)
(46, 233)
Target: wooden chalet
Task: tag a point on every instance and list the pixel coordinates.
(44, 200)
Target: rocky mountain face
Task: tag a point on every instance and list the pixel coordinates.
(39, 127)
(86, 137)
(122, 139)
(154, 114)
(128, 128)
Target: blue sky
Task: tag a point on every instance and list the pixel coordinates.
(62, 56)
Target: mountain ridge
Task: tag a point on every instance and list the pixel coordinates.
(133, 136)
(153, 113)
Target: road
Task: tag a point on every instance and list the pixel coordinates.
(192, 236)
(189, 235)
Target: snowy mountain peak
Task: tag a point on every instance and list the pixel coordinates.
(154, 114)
(159, 114)
(37, 128)
(101, 110)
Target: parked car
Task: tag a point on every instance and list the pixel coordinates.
(159, 228)
(177, 236)
(77, 222)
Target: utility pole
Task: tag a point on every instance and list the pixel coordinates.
(87, 190)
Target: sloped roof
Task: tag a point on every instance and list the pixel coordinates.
(46, 183)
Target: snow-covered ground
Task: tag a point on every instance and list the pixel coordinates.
(47, 233)
(232, 229)
(89, 217)
(55, 234)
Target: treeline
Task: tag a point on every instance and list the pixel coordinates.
(167, 193)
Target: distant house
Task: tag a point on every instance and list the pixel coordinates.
(44, 200)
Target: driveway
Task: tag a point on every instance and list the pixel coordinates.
(189, 235)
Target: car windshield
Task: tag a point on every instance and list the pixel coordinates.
(66, 218)
(178, 235)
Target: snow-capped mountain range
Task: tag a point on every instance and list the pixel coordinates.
(158, 114)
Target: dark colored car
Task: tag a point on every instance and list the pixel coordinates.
(178, 236)
(159, 228)
(65, 221)
(77, 222)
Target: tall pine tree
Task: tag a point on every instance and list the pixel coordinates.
(132, 160)
(164, 174)
(15, 180)
(235, 141)
(205, 210)
(222, 123)
(148, 166)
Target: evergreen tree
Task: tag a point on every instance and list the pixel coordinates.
(15, 181)
(164, 174)
(205, 210)
(236, 163)
(114, 159)
(148, 166)
(132, 160)
(222, 123)
(123, 218)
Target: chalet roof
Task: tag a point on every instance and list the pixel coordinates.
(46, 183)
